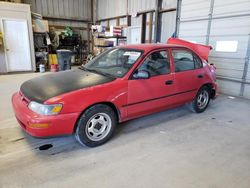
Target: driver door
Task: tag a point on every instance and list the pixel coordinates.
(146, 96)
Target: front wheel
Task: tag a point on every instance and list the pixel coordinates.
(201, 101)
(96, 125)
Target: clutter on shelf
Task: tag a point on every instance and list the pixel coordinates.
(106, 38)
(52, 41)
(40, 25)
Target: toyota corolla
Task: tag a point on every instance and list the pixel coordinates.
(120, 84)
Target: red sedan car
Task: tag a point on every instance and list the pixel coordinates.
(120, 84)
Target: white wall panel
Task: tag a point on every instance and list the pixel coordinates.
(168, 25)
(248, 73)
(231, 68)
(231, 26)
(111, 8)
(191, 29)
(230, 22)
(241, 49)
(228, 87)
(193, 9)
(247, 92)
(140, 5)
(231, 7)
(166, 4)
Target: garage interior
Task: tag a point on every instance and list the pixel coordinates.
(172, 148)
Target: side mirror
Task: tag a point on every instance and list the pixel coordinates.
(142, 74)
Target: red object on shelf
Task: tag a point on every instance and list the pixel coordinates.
(54, 68)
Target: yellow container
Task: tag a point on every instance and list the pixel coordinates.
(53, 59)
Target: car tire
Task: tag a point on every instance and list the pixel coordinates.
(201, 100)
(96, 125)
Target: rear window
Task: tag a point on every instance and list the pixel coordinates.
(185, 60)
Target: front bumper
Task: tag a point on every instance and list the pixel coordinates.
(60, 124)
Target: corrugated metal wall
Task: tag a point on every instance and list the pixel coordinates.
(74, 9)
(68, 9)
(211, 21)
(140, 5)
(111, 8)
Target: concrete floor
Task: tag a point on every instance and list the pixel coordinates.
(174, 148)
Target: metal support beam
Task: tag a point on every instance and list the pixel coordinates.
(143, 27)
(246, 65)
(66, 19)
(178, 18)
(118, 22)
(210, 17)
(128, 20)
(93, 11)
(112, 18)
(157, 25)
(151, 14)
(88, 35)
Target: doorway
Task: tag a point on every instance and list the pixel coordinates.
(17, 48)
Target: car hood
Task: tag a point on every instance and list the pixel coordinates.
(51, 85)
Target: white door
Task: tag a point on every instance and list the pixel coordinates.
(134, 35)
(17, 47)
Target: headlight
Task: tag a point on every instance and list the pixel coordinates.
(45, 109)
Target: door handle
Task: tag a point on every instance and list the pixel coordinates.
(200, 76)
(169, 82)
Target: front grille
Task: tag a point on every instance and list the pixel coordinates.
(23, 98)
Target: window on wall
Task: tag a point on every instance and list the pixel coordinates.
(185, 60)
(157, 63)
(226, 46)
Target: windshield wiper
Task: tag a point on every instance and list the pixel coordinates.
(102, 73)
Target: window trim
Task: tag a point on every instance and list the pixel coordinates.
(146, 56)
(188, 50)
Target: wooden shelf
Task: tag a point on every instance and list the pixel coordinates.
(111, 37)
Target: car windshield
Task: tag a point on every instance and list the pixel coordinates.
(115, 62)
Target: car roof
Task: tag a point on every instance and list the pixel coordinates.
(151, 46)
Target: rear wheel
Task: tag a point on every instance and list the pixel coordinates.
(201, 101)
(96, 125)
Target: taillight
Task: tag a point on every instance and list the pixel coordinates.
(212, 68)
(212, 65)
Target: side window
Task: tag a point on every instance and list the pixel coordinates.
(156, 63)
(197, 62)
(185, 60)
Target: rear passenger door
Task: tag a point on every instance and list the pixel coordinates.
(189, 74)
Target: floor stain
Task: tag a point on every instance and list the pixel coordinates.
(45, 147)
(18, 139)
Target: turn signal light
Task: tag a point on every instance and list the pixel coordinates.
(39, 125)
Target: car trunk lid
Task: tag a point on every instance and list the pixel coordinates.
(200, 49)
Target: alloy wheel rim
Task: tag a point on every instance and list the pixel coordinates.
(202, 99)
(98, 126)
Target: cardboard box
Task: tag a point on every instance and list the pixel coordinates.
(103, 42)
(99, 41)
(40, 26)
